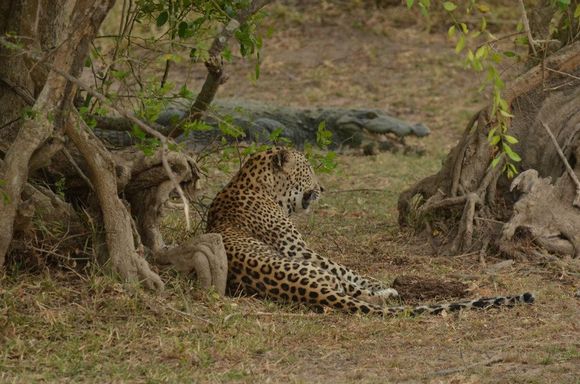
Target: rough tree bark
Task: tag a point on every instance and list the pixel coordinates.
(70, 27)
(42, 138)
(117, 220)
(469, 202)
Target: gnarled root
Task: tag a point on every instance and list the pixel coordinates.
(542, 210)
(148, 188)
(204, 254)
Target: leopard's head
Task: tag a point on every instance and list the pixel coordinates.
(288, 176)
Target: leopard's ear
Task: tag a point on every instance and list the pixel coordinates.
(283, 160)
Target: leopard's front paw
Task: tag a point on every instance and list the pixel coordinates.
(380, 297)
(386, 293)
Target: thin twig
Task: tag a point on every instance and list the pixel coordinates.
(526, 23)
(183, 314)
(281, 314)
(357, 190)
(20, 91)
(165, 73)
(449, 371)
(563, 73)
(569, 169)
(77, 168)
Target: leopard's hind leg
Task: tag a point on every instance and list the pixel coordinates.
(291, 245)
(257, 268)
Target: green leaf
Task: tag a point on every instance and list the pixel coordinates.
(470, 56)
(495, 161)
(503, 104)
(196, 126)
(138, 133)
(482, 52)
(510, 139)
(185, 92)
(183, 30)
(483, 8)
(228, 129)
(494, 140)
(464, 28)
(323, 136)
(491, 133)
(577, 12)
(509, 54)
(451, 31)
(119, 75)
(257, 67)
(483, 26)
(410, 3)
(511, 170)
(496, 57)
(510, 173)
(510, 152)
(522, 40)
(460, 44)
(162, 18)
(505, 113)
(227, 54)
(449, 6)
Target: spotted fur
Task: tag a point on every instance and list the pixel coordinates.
(268, 257)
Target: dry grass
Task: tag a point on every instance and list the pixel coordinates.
(58, 326)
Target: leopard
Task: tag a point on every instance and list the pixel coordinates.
(269, 258)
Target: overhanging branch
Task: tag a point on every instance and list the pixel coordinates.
(214, 64)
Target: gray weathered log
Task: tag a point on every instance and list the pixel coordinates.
(350, 127)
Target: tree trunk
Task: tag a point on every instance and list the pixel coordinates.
(43, 141)
(70, 27)
(469, 203)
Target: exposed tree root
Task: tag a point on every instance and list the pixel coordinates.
(205, 255)
(471, 200)
(119, 235)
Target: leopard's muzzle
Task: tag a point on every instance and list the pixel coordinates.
(309, 197)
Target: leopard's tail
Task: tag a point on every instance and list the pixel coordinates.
(481, 303)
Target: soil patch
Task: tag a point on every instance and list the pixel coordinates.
(416, 289)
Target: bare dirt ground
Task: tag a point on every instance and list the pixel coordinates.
(61, 326)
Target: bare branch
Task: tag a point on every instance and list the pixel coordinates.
(567, 59)
(526, 23)
(77, 168)
(563, 73)
(569, 169)
(215, 74)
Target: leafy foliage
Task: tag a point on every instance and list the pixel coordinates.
(132, 66)
(323, 162)
(484, 52)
